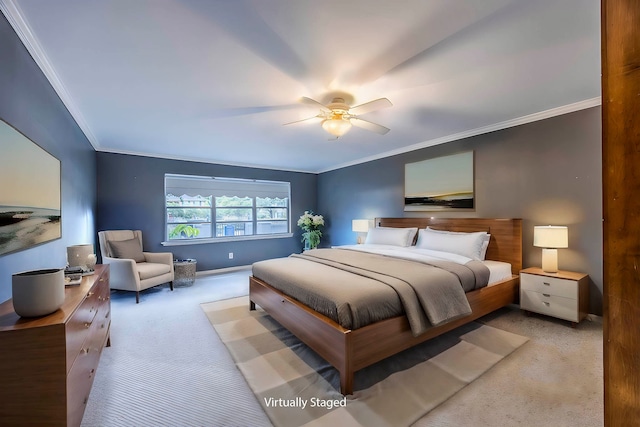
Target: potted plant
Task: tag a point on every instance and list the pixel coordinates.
(184, 231)
(310, 225)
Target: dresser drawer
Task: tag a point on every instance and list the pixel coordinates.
(102, 284)
(79, 382)
(95, 306)
(99, 330)
(77, 328)
(551, 305)
(549, 285)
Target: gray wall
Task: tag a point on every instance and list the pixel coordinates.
(131, 196)
(546, 172)
(29, 103)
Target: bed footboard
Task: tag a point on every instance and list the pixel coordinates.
(349, 351)
(326, 337)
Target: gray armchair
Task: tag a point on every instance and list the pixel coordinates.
(131, 269)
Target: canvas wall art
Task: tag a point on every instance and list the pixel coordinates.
(29, 192)
(443, 183)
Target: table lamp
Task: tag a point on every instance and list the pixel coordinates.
(81, 256)
(360, 226)
(550, 238)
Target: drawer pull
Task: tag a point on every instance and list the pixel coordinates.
(546, 283)
(90, 293)
(87, 325)
(85, 350)
(101, 279)
(546, 295)
(282, 301)
(548, 304)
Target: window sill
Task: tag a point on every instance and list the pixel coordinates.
(183, 242)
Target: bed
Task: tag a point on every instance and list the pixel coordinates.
(351, 349)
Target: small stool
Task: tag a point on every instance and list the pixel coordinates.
(184, 272)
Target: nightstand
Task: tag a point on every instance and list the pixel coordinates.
(564, 294)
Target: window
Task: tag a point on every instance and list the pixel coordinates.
(204, 209)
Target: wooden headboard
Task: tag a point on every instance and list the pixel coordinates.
(506, 234)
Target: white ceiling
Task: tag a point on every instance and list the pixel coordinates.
(214, 81)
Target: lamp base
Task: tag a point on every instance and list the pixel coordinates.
(550, 260)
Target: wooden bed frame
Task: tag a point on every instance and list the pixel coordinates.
(351, 350)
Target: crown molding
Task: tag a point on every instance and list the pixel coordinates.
(553, 112)
(202, 160)
(14, 15)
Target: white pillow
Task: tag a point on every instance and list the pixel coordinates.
(391, 236)
(485, 242)
(465, 244)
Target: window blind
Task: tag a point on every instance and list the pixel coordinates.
(190, 185)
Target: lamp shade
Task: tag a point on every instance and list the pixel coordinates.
(79, 255)
(360, 225)
(550, 236)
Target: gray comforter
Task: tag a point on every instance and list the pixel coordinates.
(357, 288)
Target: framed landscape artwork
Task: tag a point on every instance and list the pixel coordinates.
(29, 193)
(443, 183)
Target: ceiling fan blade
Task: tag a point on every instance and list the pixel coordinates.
(370, 106)
(373, 127)
(298, 121)
(315, 103)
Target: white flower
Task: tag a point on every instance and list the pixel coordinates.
(308, 221)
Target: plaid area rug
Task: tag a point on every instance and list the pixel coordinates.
(296, 387)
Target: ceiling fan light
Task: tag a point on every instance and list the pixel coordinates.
(336, 126)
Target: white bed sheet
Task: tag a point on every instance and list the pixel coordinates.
(498, 270)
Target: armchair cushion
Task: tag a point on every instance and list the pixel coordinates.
(130, 249)
(147, 270)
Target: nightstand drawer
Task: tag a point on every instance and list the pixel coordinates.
(549, 285)
(551, 305)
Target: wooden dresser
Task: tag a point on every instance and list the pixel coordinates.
(47, 364)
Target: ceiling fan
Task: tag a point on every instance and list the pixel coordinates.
(338, 117)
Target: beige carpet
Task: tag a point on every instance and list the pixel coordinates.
(297, 388)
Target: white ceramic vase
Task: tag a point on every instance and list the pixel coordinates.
(38, 292)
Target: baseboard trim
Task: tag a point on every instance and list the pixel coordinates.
(222, 270)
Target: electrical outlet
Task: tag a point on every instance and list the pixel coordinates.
(230, 255)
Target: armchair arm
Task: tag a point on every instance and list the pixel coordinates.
(123, 274)
(159, 257)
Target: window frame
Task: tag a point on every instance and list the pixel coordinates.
(241, 185)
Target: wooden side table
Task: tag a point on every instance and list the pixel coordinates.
(564, 295)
